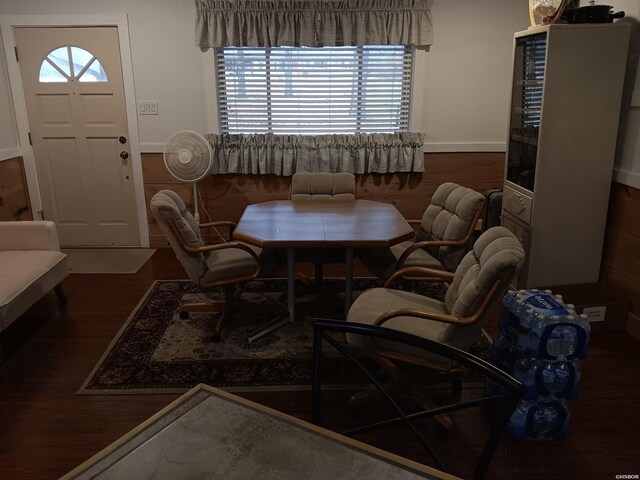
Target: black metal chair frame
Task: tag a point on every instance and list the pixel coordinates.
(512, 390)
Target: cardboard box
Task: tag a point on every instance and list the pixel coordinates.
(606, 310)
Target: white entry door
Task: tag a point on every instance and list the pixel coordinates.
(74, 93)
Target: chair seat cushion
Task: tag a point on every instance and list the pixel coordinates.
(418, 258)
(228, 263)
(377, 301)
(382, 261)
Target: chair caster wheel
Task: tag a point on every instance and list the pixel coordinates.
(215, 337)
(184, 315)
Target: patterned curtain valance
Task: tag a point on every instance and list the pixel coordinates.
(312, 23)
(262, 154)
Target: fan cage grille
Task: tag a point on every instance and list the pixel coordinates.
(200, 163)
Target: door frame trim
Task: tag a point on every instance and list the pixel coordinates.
(121, 22)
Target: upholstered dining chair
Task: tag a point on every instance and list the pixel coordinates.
(477, 285)
(208, 266)
(322, 186)
(442, 238)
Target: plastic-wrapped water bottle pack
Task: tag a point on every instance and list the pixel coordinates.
(541, 342)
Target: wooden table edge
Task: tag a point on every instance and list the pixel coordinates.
(200, 388)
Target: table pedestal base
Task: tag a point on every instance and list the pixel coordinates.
(289, 317)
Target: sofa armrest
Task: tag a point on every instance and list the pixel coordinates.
(28, 235)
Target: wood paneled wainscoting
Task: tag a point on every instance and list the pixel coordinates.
(14, 195)
(620, 270)
(226, 196)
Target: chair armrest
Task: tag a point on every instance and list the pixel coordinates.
(438, 317)
(213, 247)
(29, 235)
(222, 223)
(426, 244)
(444, 317)
(430, 274)
(222, 246)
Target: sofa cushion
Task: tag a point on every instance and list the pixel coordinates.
(26, 276)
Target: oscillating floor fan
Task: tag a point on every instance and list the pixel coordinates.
(189, 158)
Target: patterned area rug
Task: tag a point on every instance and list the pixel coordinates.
(158, 352)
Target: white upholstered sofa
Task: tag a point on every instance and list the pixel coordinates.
(31, 265)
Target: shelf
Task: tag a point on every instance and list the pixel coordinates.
(522, 139)
(530, 83)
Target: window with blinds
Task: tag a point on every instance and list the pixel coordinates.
(301, 90)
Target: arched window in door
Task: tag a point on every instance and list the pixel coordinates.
(71, 63)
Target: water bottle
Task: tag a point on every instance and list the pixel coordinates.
(537, 327)
(566, 336)
(523, 337)
(584, 334)
(556, 419)
(514, 315)
(518, 309)
(555, 334)
(517, 426)
(560, 378)
(505, 311)
(547, 379)
(524, 370)
(539, 420)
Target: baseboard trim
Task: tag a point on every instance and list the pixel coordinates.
(626, 177)
(9, 153)
(151, 147)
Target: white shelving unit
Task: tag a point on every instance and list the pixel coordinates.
(567, 89)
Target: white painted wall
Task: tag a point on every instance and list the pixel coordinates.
(465, 79)
(461, 86)
(167, 65)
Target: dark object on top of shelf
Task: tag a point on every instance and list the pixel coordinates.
(567, 15)
(593, 14)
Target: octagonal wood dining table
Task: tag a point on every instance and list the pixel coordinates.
(320, 224)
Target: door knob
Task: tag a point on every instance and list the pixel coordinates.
(122, 140)
(124, 155)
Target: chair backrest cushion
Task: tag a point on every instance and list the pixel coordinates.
(167, 206)
(496, 255)
(323, 186)
(449, 217)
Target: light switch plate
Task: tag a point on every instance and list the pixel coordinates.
(148, 107)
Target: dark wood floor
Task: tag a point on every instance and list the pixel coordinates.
(46, 429)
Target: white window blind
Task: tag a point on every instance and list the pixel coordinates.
(301, 90)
